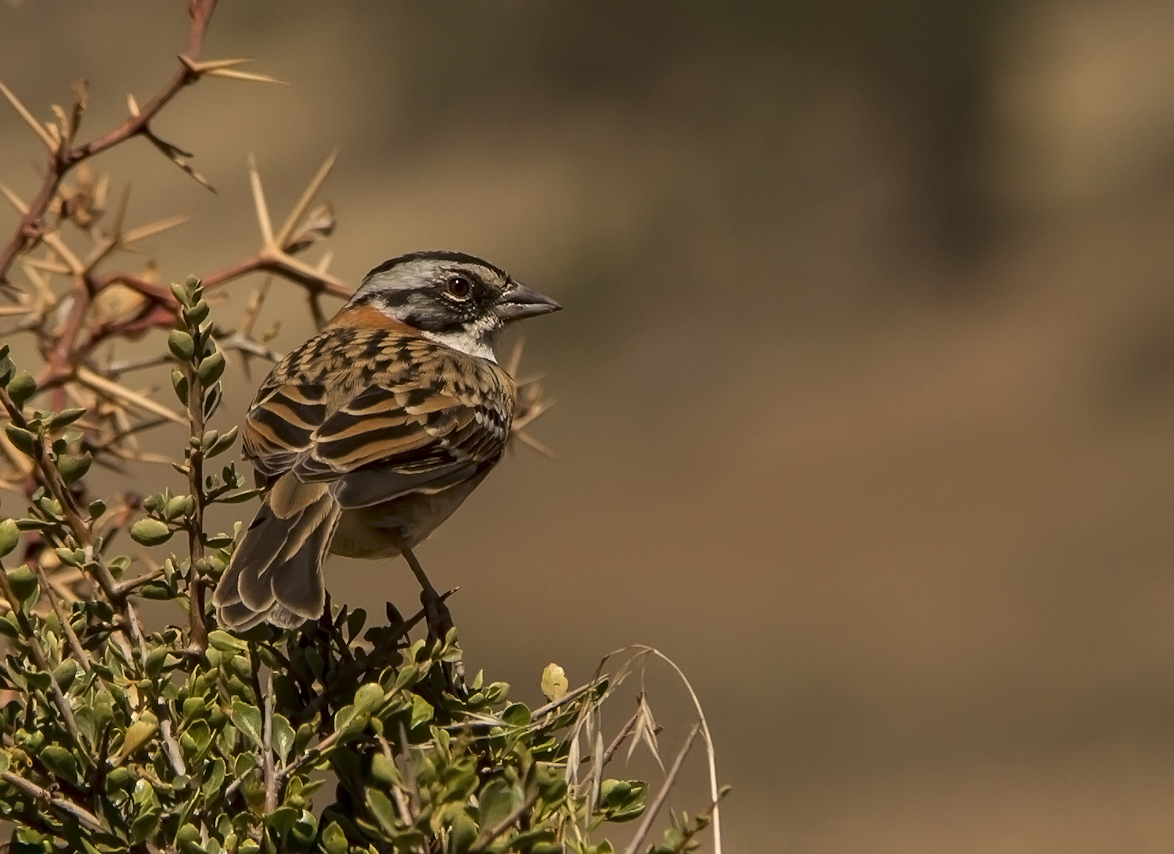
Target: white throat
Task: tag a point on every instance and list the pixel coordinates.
(465, 341)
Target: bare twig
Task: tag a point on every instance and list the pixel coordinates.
(267, 748)
(68, 808)
(650, 813)
(409, 772)
(487, 837)
(75, 646)
(401, 804)
(621, 736)
(170, 745)
(573, 694)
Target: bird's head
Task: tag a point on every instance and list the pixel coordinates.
(452, 298)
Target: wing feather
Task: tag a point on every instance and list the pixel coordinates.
(413, 417)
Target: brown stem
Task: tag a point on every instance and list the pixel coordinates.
(195, 523)
(267, 749)
(55, 601)
(621, 737)
(68, 808)
(280, 264)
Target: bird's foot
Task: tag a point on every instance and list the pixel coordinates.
(436, 614)
(440, 623)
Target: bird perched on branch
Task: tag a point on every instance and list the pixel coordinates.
(375, 430)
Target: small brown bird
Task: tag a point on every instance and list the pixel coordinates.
(375, 430)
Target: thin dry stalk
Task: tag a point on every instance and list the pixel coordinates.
(651, 812)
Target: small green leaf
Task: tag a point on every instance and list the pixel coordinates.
(225, 642)
(333, 840)
(213, 778)
(462, 833)
(188, 839)
(369, 698)
(422, 711)
(348, 721)
(180, 383)
(150, 532)
(495, 801)
(21, 387)
(612, 793)
(65, 417)
(180, 505)
(155, 660)
(245, 762)
(9, 537)
(304, 830)
(282, 819)
(247, 719)
(24, 585)
(156, 590)
(354, 622)
(66, 556)
(144, 826)
(21, 439)
(181, 344)
(218, 541)
(60, 761)
(516, 714)
(64, 673)
(137, 734)
(283, 736)
(380, 807)
(196, 314)
(208, 440)
(222, 443)
(211, 368)
(196, 739)
(384, 769)
(212, 400)
(181, 293)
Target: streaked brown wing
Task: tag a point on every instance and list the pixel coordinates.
(279, 427)
(390, 441)
(398, 415)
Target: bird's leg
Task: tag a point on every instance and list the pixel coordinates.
(435, 611)
(325, 621)
(439, 623)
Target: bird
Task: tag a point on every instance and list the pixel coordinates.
(374, 431)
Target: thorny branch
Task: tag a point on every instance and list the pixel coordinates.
(63, 158)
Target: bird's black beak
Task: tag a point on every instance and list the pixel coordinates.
(518, 301)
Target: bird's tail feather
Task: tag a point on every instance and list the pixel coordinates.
(276, 573)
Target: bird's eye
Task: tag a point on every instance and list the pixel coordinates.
(459, 287)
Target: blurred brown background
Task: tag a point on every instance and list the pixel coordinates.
(865, 378)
